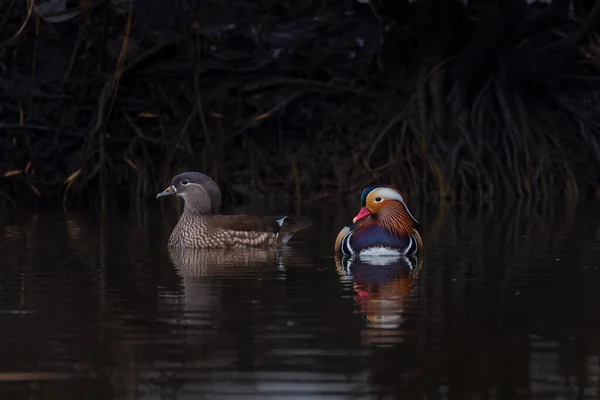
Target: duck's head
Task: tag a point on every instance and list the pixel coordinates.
(200, 193)
(376, 199)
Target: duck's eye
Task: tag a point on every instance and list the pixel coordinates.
(185, 182)
(378, 199)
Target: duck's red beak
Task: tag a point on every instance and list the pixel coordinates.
(364, 212)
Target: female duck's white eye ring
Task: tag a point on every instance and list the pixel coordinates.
(185, 182)
(378, 199)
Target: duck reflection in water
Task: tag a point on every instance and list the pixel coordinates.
(193, 263)
(200, 269)
(386, 293)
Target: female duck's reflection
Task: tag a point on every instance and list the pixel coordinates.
(386, 294)
(193, 263)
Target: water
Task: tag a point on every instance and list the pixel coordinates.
(504, 305)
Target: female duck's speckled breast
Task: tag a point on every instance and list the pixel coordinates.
(190, 231)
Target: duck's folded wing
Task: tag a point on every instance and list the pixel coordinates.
(245, 223)
(251, 223)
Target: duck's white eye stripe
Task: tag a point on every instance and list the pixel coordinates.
(388, 194)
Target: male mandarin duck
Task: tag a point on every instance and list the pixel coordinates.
(199, 228)
(384, 226)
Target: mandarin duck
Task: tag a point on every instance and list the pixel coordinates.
(384, 226)
(199, 228)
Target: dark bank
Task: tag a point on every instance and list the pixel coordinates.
(106, 100)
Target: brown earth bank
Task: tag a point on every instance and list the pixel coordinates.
(302, 100)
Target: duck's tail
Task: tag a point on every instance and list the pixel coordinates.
(289, 226)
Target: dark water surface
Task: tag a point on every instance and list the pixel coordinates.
(505, 304)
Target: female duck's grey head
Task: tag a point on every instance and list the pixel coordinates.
(200, 193)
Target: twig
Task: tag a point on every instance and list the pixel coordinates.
(30, 6)
(259, 117)
(264, 84)
(23, 126)
(140, 134)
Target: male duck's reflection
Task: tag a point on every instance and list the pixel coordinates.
(386, 293)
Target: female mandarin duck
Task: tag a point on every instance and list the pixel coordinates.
(199, 228)
(383, 226)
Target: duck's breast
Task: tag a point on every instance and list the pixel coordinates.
(375, 240)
